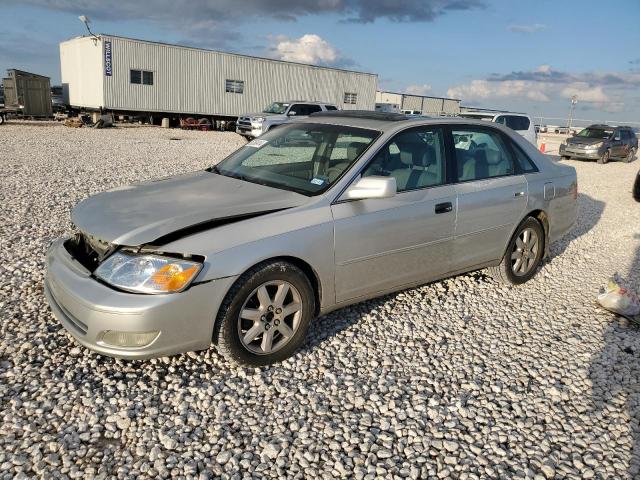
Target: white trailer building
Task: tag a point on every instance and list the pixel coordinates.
(421, 103)
(129, 76)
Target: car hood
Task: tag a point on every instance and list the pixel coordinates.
(143, 213)
(262, 114)
(584, 140)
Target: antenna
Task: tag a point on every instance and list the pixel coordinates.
(84, 19)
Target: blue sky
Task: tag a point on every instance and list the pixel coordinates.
(517, 55)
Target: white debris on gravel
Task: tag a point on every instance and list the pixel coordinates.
(458, 379)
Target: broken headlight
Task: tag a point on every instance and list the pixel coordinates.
(147, 273)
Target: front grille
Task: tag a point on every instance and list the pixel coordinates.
(244, 122)
(87, 250)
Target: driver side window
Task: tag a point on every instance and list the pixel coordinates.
(415, 157)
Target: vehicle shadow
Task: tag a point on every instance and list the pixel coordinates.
(589, 213)
(614, 373)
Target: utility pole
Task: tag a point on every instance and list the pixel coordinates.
(574, 100)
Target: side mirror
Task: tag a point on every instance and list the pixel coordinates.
(292, 113)
(372, 187)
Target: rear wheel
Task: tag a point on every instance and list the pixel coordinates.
(630, 156)
(523, 255)
(1, 119)
(265, 316)
(605, 157)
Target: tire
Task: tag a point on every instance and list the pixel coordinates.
(565, 157)
(2, 119)
(511, 272)
(605, 157)
(630, 156)
(233, 331)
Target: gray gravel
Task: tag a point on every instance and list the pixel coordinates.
(458, 379)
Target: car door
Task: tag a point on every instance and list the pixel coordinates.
(384, 244)
(617, 144)
(492, 196)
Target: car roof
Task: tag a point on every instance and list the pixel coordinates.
(383, 121)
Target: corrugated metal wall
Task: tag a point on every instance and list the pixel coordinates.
(389, 97)
(451, 107)
(188, 80)
(432, 106)
(411, 102)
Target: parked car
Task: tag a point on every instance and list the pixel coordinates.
(252, 125)
(317, 214)
(601, 143)
(518, 122)
(412, 113)
(636, 188)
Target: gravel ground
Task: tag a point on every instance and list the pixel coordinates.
(458, 379)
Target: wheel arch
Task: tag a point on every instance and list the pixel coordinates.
(306, 268)
(542, 217)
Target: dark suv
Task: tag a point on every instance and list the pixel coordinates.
(601, 143)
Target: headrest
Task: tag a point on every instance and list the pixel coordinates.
(494, 157)
(427, 158)
(354, 149)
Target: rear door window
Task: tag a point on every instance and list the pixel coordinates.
(480, 154)
(514, 122)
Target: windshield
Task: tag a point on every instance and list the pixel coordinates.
(595, 133)
(276, 107)
(305, 158)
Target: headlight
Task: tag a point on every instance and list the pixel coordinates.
(597, 145)
(258, 120)
(147, 273)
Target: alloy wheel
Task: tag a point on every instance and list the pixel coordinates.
(525, 252)
(270, 317)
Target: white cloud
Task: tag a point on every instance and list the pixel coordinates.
(309, 48)
(423, 89)
(532, 28)
(482, 89)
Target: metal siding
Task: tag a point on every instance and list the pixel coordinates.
(432, 106)
(192, 81)
(451, 106)
(411, 102)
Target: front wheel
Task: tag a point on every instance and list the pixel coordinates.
(523, 255)
(265, 316)
(605, 157)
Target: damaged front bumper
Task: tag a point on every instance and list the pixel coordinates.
(128, 325)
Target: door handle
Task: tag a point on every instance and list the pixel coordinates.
(444, 207)
(518, 194)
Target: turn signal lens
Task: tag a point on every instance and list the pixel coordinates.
(172, 278)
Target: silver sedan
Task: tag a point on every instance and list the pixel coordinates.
(320, 213)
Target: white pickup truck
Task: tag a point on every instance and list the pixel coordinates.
(252, 125)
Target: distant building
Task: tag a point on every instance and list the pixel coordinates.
(127, 75)
(419, 103)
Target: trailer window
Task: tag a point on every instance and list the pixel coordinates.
(136, 76)
(234, 86)
(147, 78)
(141, 77)
(350, 98)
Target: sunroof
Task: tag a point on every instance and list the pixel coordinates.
(383, 116)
